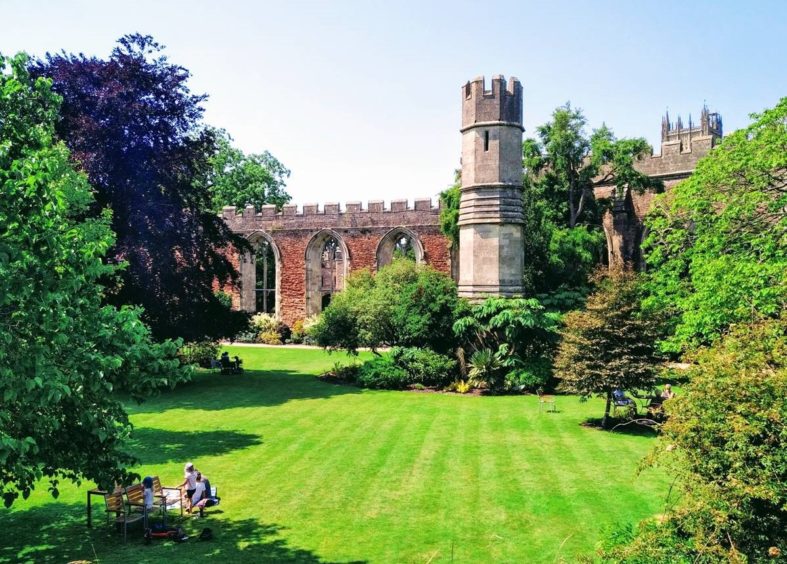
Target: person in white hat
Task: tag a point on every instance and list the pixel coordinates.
(190, 483)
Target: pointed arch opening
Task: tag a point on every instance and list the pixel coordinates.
(261, 276)
(327, 265)
(399, 242)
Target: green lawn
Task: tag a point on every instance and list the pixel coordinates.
(309, 471)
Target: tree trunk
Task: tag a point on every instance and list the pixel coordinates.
(605, 421)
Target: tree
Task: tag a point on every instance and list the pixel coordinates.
(717, 248)
(726, 443)
(449, 209)
(62, 354)
(609, 345)
(505, 338)
(562, 216)
(238, 179)
(567, 164)
(134, 127)
(405, 304)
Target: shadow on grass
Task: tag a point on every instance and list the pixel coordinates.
(56, 532)
(159, 446)
(253, 388)
(638, 427)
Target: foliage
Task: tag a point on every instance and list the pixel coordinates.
(404, 304)
(134, 127)
(382, 372)
(717, 248)
(562, 219)
(513, 331)
(486, 370)
(263, 322)
(425, 366)
(224, 299)
(298, 333)
(199, 353)
(533, 376)
(609, 345)
(459, 386)
(726, 442)
(62, 354)
(403, 368)
(270, 337)
(565, 164)
(449, 210)
(237, 179)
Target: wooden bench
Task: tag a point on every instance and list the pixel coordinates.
(117, 505)
(168, 498)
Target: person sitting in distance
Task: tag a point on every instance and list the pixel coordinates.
(667, 393)
(199, 491)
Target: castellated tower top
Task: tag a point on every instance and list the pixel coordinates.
(500, 106)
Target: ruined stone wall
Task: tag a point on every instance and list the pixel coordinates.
(623, 224)
(360, 230)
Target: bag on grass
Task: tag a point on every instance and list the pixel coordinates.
(206, 534)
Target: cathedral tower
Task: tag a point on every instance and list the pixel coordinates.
(490, 211)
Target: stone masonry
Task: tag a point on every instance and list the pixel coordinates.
(315, 248)
(681, 149)
(365, 235)
(490, 209)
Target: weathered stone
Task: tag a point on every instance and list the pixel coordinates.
(490, 210)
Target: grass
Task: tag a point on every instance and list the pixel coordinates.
(312, 472)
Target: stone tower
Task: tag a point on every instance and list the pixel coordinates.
(490, 211)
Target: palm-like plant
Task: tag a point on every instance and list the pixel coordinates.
(485, 369)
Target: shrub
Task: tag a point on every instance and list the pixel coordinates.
(425, 366)
(726, 444)
(346, 372)
(535, 375)
(264, 322)
(382, 373)
(485, 370)
(248, 336)
(308, 329)
(224, 299)
(284, 331)
(404, 304)
(270, 338)
(459, 386)
(199, 353)
(298, 332)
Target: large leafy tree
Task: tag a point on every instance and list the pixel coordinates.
(608, 345)
(134, 127)
(726, 443)
(239, 179)
(563, 165)
(717, 249)
(62, 354)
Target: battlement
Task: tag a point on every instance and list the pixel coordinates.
(332, 209)
(502, 105)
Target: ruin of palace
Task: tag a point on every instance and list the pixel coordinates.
(303, 255)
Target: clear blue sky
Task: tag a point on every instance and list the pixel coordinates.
(361, 99)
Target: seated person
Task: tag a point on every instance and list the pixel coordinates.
(147, 493)
(207, 499)
(667, 393)
(621, 400)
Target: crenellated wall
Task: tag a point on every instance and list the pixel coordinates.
(681, 149)
(366, 234)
